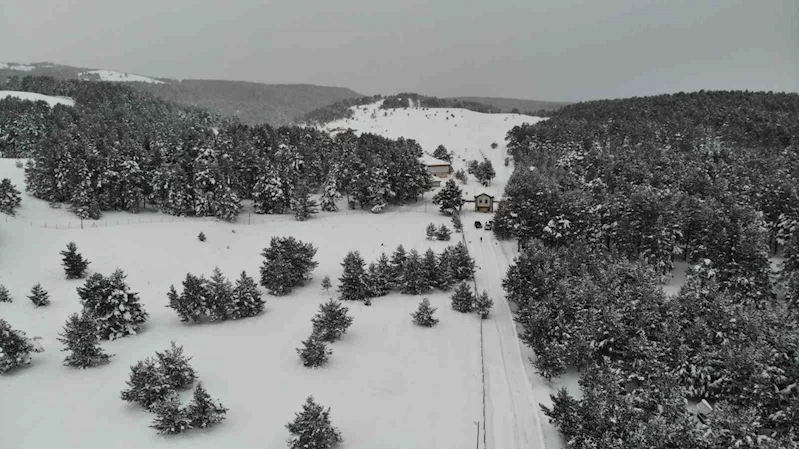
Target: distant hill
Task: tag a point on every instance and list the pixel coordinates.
(251, 103)
(508, 104)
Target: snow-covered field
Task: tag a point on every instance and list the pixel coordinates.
(110, 75)
(15, 66)
(49, 99)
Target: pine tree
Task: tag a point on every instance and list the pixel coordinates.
(201, 236)
(191, 304)
(463, 299)
(446, 276)
(220, 296)
(442, 153)
(430, 231)
(39, 297)
(457, 224)
(302, 204)
(352, 283)
(430, 270)
(443, 233)
(380, 282)
(84, 200)
(74, 263)
(170, 418)
(202, 412)
(116, 309)
(5, 295)
(413, 278)
(247, 300)
(330, 193)
(462, 262)
(268, 195)
(147, 384)
(483, 305)
(9, 197)
(424, 314)
(314, 352)
(311, 428)
(288, 262)
(15, 347)
(331, 322)
(449, 198)
(398, 262)
(326, 283)
(81, 337)
(175, 368)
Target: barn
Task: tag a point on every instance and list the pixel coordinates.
(437, 167)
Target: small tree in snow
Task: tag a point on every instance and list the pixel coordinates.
(379, 277)
(443, 233)
(457, 224)
(39, 296)
(301, 203)
(398, 262)
(220, 296)
(449, 198)
(9, 197)
(175, 368)
(170, 418)
(314, 352)
(5, 295)
(15, 347)
(326, 284)
(461, 262)
(430, 270)
(247, 300)
(463, 299)
(430, 231)
(81, 337)
(311, 428)
(203, 412)
(352, 283)
(483, 304)
(116, 309)
(331, 322)
(413, 279)
(424, 314)
(74, 264)
(201, 236)
(288, 262)
(147, 384)
(191, 304)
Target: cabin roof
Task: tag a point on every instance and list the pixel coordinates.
(431, 161)
(484, 194)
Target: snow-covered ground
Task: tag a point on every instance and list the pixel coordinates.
(466, 133)
(110, 75)
(49, 99)
(15, 66)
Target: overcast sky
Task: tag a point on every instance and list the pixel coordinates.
(565, 50)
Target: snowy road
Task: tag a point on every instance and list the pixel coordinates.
(513, 419)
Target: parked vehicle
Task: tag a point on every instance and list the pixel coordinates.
(478, 225)
(489, 225)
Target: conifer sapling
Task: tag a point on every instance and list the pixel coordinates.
(175, 368)
(203, 412)
(15, 347)
(424, 314)
(81, 337)
(312, 429)
(331, 322)
(247, 300)
(463, 299)
(147, 384)
(352, 283)
(457, 224)
(431, 231)
(483, 304)
(74, 263)
(220, 296)
(170, 418)
(314, 352)
(443, 233)
(201, 236)
(5, 295)
(326, 284)
(39, 297)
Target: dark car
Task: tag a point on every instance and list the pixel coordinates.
(478, 225)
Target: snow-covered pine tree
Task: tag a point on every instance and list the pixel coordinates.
(378, 284)
(170, 417)
(175, 367)
(331, 322)
(39, 296)
(483, 304)
(462, 262)
(449, 198)
(413, 279)
(116, 309)
(326, 283)
(288, 262)
(268, 195)
(9, 197)
(442, 153)
(424, 314)
(202, 411)
(352, 283)
(247, 300)
(201, 236)
(73, 262)
(443, 233)
(457, 224)
(430, 231)
(15, 347)
(330, 192)
(314, 352)
(81, 337)
(226, 203)
(430, 270)
(382, 283)
(446, 276)
(311, 428)
(398, 262)
(301, 203)
(191, 304)
(84, 201)
(5, 295)
(462, 298)
(147, 384)
(220, 296)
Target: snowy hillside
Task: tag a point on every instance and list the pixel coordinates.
(110, 75)
(51, 100)
(15, 66)
(466, 133)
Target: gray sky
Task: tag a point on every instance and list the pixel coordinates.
(565, 50)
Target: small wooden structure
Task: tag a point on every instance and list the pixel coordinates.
(484, 203)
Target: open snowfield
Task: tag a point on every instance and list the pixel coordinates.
(15, 66)
(110, 75)
(49, 99)
(466, 133)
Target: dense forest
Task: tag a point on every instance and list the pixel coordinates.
(606, 195)
(119, 149)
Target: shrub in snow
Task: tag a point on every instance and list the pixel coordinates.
(449, 198)
(430, 231)
(147, 384)
(314, 352)
(352, 283)
(191, 304)
(483, 304)
(19, 164)
(463, 299)
(457, 224)
(170, 418)
(175, 368)
(201, 236)
(9, 197)
(331, 322)
(288, 262)
(326, 284)
(424, 314)
(460, 175)
(443, 233)
(80, 336)
(5, 295)
(494, 145)
(39, 297)
(202, 412)
(247, 300)
(220, 296)
(74, 264)
(116, 309)
(15, 347)
(311, 428)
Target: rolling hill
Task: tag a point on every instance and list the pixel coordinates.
(508, 104)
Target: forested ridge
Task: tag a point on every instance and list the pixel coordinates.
(605, 196)
(119, 149)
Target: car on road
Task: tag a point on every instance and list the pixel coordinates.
(478, 225)
(489, 225)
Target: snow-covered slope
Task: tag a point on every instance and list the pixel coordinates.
(466, 133)
(110, 75)
(15, 66)
(51, 100)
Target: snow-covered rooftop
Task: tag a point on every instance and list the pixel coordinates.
(110, 75)
(428, 160)
(49, 99)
